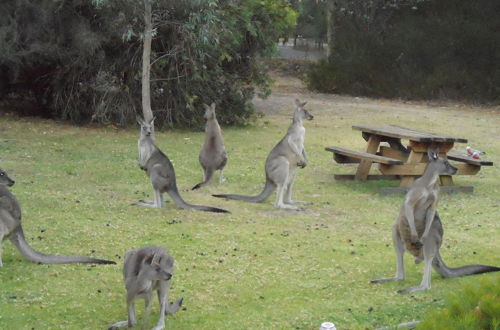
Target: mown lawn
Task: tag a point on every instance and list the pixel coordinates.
(258, 267)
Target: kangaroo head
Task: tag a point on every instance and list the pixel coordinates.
(147, 127)
(5, 179)
(440, 165)
(159, 266)
(209, 111)
(300, 112)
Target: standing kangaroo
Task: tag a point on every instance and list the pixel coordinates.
(213, 155)
(161, 172)
(10, 226)
(418, 228)
(282, 163)
(145, 270)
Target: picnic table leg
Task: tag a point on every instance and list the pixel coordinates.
(365, 165)
(446, 180)
(415, 157)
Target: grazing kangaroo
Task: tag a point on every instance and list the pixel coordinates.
(145, 270)
(10, 226)
(418, 228)
(213, 155)
(161, 172)
(282, 163)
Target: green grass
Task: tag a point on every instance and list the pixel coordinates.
(256, 268)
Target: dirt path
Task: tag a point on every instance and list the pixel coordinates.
(286, 89)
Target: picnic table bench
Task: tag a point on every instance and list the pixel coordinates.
(404, 163)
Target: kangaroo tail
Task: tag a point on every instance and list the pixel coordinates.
(174, 307)
(445, 271)
(176, 197)
(266, 192)
(208, 176)
(17, 238)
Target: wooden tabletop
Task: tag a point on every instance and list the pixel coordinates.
(407, 133)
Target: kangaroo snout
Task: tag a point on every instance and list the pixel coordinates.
(11, 183)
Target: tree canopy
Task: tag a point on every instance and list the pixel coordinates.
(81, 60)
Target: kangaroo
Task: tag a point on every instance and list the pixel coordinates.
(161, 172)
(282, 163)
(145, 270)
(419, 231)
(10, 226)
(213, 155)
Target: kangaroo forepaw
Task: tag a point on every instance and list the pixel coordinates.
(417, 244)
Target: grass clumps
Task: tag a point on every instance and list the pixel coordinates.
(475, 307)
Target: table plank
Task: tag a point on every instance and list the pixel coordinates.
(469, 160)
(400, 132)
(363, 155)
(418, 168)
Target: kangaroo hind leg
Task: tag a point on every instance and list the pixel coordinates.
(222, 177)
(1, 239)
(430, 251)
(289, 186)
(279, 174)
(400, 250)
(156, 204)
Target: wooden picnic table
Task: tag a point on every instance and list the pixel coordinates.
(403, 162)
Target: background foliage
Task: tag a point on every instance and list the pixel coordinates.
(81, 60)
(414, 49)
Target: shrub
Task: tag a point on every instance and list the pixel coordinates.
(476, 307)
(81, 60)
(435, 49)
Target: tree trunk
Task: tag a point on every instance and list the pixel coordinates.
(146, 63)
(330, 26)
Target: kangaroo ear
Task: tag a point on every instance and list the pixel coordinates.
(148, 260)
(297, 102)
(156, 259)
(432, 154)
(206, 106)
(139, 119)
(152, 121)
(212, 106)
(303, 104)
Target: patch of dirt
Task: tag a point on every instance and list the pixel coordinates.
(288, 86)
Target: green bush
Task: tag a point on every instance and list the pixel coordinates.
(476, 307)
(81, 60)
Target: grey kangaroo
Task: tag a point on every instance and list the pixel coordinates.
(10, 226)
(213, 155)
(418, 228)
(145, 270)
(161, 172)
(282, 163)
